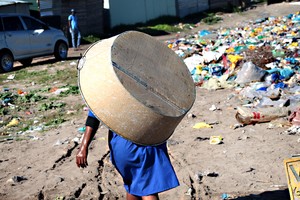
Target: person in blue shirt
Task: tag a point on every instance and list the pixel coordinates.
(146, 170)
(74, 29)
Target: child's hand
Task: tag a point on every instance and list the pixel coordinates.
(81, 157)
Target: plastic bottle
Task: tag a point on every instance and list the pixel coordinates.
(278, 54)
(248, 116)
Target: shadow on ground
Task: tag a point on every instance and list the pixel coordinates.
(18, 66)
(268, 195)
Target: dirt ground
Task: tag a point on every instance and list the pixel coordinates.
(247, 165)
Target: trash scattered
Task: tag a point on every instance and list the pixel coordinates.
(251, 116)
(249, 73)
(61, 142)
(189, 192)
(85, 108)
(21, 92)
(28, 112)
(73, 63)
(13, 122)
(60, 90)
(202, 125)
(53, 89)
(213, 108)
(199, 176)
(70, 112)
(11, 77)
(294, 118)
(16, 179)
(293, 130)
(33, 137)
(81, 129)
(214, 122)
(216, 140)
(236, 126)
(191, 115)
(225, 196)
(259, 59)
(76, 140)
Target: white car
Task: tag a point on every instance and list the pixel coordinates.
(23, 38)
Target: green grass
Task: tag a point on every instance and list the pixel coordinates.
(30, 75)
(51, 105)
(38, 103)
(68, 75)
(29, 97)
(165, 27)
(90, 39)
(159, 26)
(54, 119)
(211, 19)
(73, 89)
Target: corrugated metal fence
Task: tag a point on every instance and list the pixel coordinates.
(185, 7)
(89, 13)
(135, 11)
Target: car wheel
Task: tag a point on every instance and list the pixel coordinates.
(6, 61)
(26, 62)
(61, 50)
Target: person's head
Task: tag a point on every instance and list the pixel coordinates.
(73, 11)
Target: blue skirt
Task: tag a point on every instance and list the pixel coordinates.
(145, 170)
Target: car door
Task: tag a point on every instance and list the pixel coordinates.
(2, 36)
(40, 36)
(17, 39)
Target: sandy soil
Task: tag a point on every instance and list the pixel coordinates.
(247, 165)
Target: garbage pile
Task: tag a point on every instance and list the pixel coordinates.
(259, 60)
(25, 113)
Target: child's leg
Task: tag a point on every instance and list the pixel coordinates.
(132, 197)
(151, 197)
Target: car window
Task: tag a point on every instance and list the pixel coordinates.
(33, 24)
(12, 24)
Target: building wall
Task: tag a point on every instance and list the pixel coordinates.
(15, 8)
(33, 5)
(216, 4)
(185, 7)
(89, 13)
(139, 11)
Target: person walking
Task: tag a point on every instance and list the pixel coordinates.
(146, 170)
(125, 86)
(74, 29)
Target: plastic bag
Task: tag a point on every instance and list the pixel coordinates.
(249, 73)
(193, 61)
